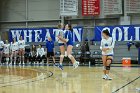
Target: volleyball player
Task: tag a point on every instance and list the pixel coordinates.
(7, 51)
(40, 54)
(14, 50)
(1, 49)
(21, 44)
(60, 32)
(107, 46)
(69, 43)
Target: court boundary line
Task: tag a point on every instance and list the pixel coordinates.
(126, 84)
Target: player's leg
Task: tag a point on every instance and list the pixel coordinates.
(42, 59)
(62, 50)
(1, 54)
(104, 66)
(22, 54)
(48, 56)
(38, 59)
(69, 51)
(34, 59)
(53, 57)
(29, 58)
(108, 63)
(47, 60)
(15, 57)
(7, 58)
(11, 57)
(4, 54)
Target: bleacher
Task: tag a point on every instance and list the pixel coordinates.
(120, 51)
(93, 56)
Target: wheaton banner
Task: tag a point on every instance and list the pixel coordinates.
(119, 33)
(41, 34)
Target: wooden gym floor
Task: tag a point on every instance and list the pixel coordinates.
(43, 79)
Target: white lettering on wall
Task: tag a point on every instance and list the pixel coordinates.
(137, 33)
(126, 37)
(16, 34)
(28, 34)
(37, 35)
(47, 35)
(114, 32)
(76, 34)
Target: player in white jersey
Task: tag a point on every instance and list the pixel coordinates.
(40, 54)
(1, 49)
(61, 43)
(107, 46)
(21, 44)
(14, 50)
(7, 51)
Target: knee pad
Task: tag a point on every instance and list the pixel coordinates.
(62, 56)
(104, 67)
(70, 56)
(107, 67)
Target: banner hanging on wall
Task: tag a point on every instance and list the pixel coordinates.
(119, 33)
(41, 34)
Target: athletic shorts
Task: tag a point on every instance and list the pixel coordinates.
(69, 43)
(6, 52)
(61, 44)
(21, 49)
(50, 54)
(1, 49)
(14, 50)
(109, 56)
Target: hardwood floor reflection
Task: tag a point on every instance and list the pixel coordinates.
(43, 79)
